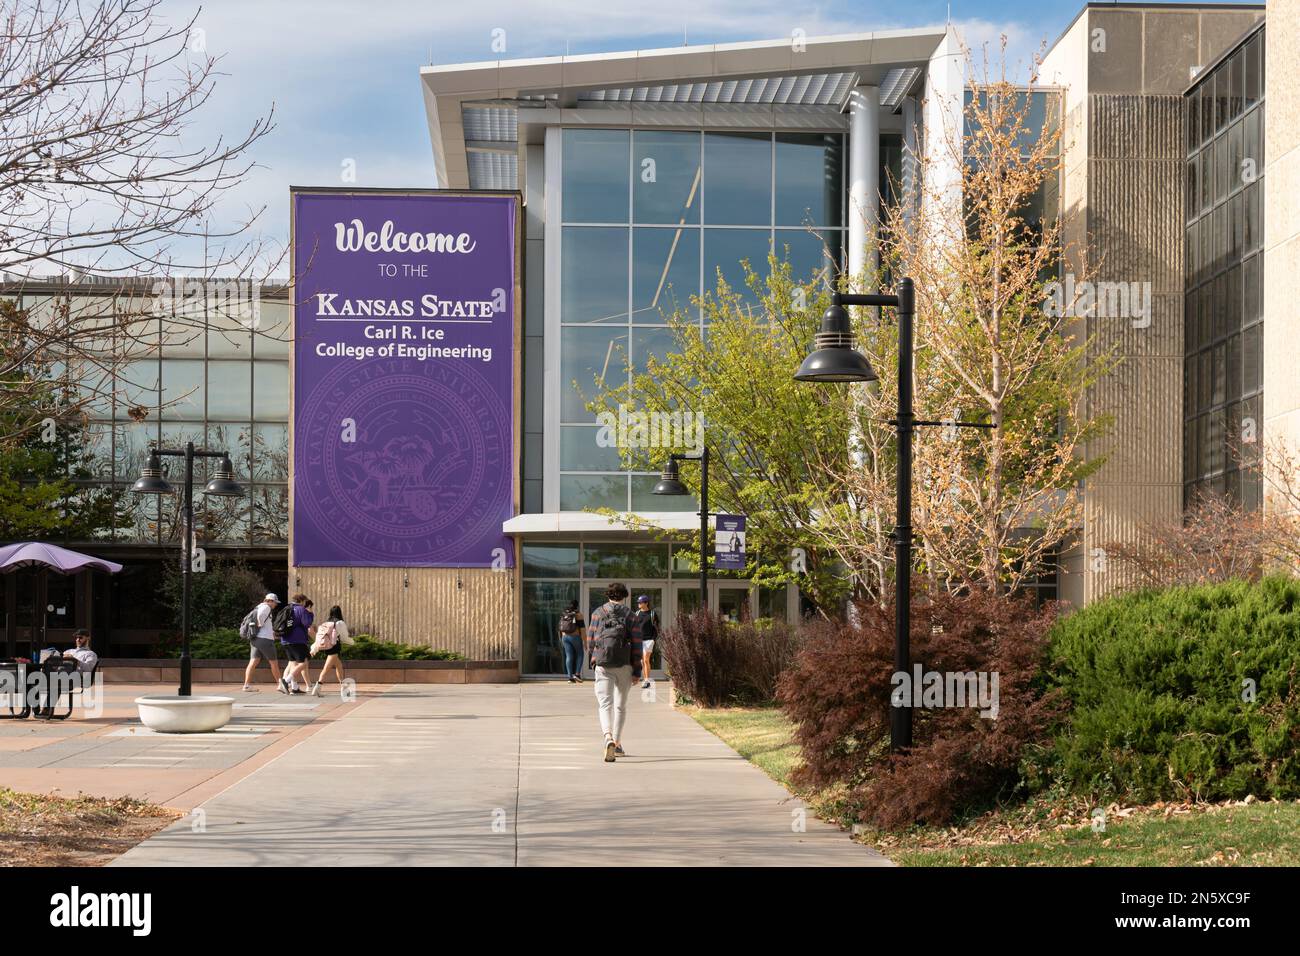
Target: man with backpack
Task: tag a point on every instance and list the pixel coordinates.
(256, 629)
(614, 652)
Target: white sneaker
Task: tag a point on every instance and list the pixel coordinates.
(249, 690)
(315, 689)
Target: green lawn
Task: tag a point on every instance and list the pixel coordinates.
(1040, 834)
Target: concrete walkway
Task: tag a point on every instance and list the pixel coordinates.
(501, 775)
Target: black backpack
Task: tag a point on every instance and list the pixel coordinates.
(612, 646)
(282, 620)
(646, 625)
(569, 622)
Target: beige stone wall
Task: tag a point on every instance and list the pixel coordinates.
(473, 611)
(1282, 226)
(1123, 71)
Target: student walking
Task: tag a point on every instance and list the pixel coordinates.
(256, 629)
(330, 638)
(615, 655)
(573, 638)
(645, 628)
(294, 630)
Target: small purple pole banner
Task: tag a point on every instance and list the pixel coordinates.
(404, 351)
(729, 543)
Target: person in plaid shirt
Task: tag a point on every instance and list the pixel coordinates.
(614, 684)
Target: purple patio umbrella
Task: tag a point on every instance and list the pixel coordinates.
(27, 554)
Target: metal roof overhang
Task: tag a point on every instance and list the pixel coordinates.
(473, 107)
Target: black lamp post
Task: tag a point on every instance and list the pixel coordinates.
(670, 484)
(834, 359)
(223, 484)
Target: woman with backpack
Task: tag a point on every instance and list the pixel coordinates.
(573, 637)
(330, 638)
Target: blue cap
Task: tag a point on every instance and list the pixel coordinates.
(643, 599)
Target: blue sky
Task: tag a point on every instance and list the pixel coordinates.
(343, 74)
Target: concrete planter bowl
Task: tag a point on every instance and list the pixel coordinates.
(172, 714)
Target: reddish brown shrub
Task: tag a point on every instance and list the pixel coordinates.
(715, 663)
(838, 694)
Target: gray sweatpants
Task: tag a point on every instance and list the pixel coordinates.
(613, 684)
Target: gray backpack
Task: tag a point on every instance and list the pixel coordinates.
(612, 646)
(248, 627)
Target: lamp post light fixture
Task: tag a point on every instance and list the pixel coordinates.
(835, 359)
(223, 484)
(670, 484)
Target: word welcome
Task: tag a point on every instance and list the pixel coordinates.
(73, 909)
(946, 689)
(354, 237)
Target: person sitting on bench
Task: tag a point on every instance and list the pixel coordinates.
(86, 658)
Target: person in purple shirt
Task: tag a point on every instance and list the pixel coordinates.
(297, 642)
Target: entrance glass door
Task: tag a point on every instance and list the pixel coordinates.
(733, 602)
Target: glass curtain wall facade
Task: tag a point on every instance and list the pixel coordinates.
(208, 378)
(650, 219)
(201, 372)
(1223, 305)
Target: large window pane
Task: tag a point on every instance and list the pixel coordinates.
(230, 393)
(595, 175)
(809, 254)
(590, 359)
(1252, 359)
(1234, 70)
(1235, 178)
(270, 513)
(132, 441)
(647, 343)
(809, 172)
(579, 492)
(1251, 83)
(137, 387)
(725, 249)
(229, 330)
(666, 177)
(1254, 234)
(233, 438)
(644, 498)
(271, 336)
(271, 391)
(581, 449)
(182, 389)
(625, 561)
(270, 452)
(551, 561)
(221, 519)
(593, 284)
(738, 178)
(665, 272)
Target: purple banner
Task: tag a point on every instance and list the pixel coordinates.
(729, 543)
(404, 352)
